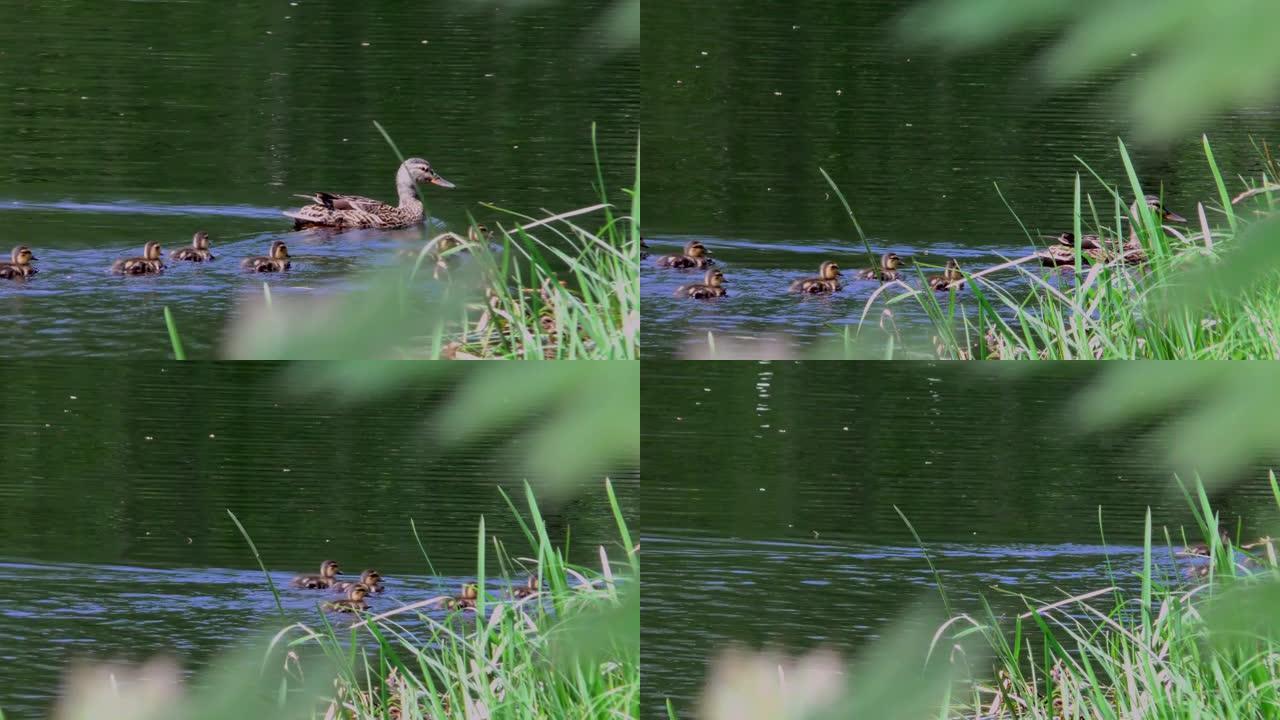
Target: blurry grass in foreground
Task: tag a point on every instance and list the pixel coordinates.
(1141, 647)
(570, 652)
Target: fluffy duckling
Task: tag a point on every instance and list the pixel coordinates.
(19, 265)
(695, 256)
(328, 569)
(1202, 549)
(277, 260)
(950, 274)
(370, 578)
(352, 602)
(149, 264)
(465, 600)
(828, 281)
(529, 589)
(710, 287)
(888, 270)
(198, 252)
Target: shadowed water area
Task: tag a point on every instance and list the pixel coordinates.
(770, 491)
(115, 542)
(745, 101)
(178, 117)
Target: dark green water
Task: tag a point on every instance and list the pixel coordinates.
(745, 101)
(177, 117)
(115, 541)
(770, 488)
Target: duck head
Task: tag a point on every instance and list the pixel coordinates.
(951, 272)
(890, 261)
(279, 251)
(328, 569)
(151, 251)
(200, 241)
(470, 592)
(695, 249)
(370, 578)
(714, 278)
(828, 271)
(1153, 202)
(357, 592)
(417, 170)
(21, 255)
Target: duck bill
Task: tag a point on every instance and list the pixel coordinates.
(1171, 216)
(437, 180)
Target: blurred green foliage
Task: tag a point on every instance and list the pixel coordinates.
(1183, 60)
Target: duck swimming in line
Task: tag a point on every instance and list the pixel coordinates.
(1098, 249)
(951, 275)
(352, 602)
(328, 570)
(828, 281)
(370, 579)
(710, 287)
(888, 270)
(198, 252)
(1202, 549)
(19, 265)
(277, 260)
(353, 211)
(149, 264)
(695, 256)
(529, 589)
(466, 600)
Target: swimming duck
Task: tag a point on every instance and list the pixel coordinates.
(277, 260)
(353, 211)
(148, 264)
(198, 252)
(828, 280)
(1064, 253)
(1133, 253)
(19, 265)
(710, 287)
(466, 600)
(1097, 249)
(328, 569)
(695, 256)
(950, 274)
(888, 270)
(1202, 549)
(352, 602)
(529, 589)
(371, 579)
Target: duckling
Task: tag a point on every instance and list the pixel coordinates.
(19, 265)
(529, 589)
(710, 287)
(828, 280)
(1064, 253)
(695, 256)
(352, 602)
(276, 261)
(888, 270)
(198, 252)
(328, 569)
(466, 600)
(149, 264)
(950, 274)
(1202, 549)
(370, 578)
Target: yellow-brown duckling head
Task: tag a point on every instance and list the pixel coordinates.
(200, 241)
(713, 278)
(22, 255)
(151, 251)
(357, 592)
(470, 591)
(329, 569)
(951, 272)
(370, 577)
(479, 233)
(829, 270)
(279, 251)
(695, 249)
(890, 262)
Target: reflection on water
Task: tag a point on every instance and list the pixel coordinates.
(772, 494)
(154, 128)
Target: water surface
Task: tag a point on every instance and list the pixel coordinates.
(770, 494)
(745, 101)
(153, 127)
(115, 539)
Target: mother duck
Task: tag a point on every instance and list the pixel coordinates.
(353, 211)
